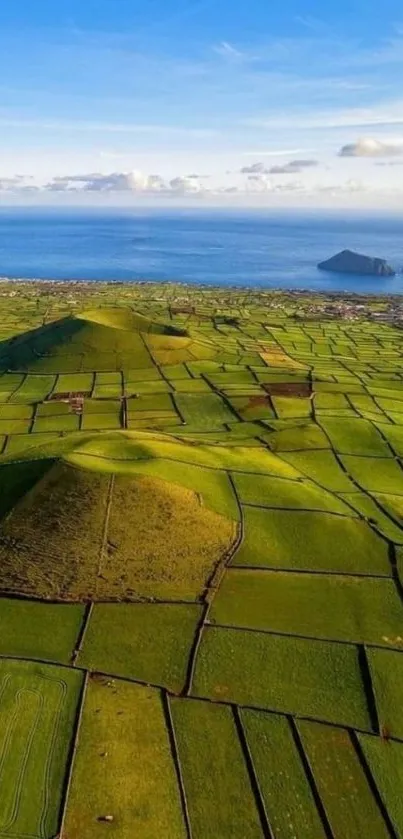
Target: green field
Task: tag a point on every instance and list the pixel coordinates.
(221, 801)
(38, 705)
(123, 737)
(201, 581)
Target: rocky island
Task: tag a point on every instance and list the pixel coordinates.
(350, 262)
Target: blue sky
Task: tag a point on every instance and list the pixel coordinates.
(202, 100)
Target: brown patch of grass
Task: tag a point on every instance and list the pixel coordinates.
(300, 390)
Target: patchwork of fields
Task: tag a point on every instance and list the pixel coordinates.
(201, 584)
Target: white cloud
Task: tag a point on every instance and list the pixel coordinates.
(369, 147)
(129, 182)
(189, 184)
(114, 182)
(261, 183)
(291, 168)
(227, 50)
(350, 186)
(17, 183)
(254, 169)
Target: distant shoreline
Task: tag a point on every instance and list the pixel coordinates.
(192, 286)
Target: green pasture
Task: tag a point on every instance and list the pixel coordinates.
(37, 630)
(355, 437)
(287, 494)
(385, 761)
(322, 467)
(297, 676)
(343, 786)
(386, 668)
(38, 706)
(329, 606)
(150, 642)
(123, 766)
(282, 779)
(218, 789)
(201, 519)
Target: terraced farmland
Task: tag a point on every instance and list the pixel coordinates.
(201, 586)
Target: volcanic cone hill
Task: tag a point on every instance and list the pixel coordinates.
(72, 533)
(103, 340)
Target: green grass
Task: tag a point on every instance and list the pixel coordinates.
(366, 406)
(123, 767)
(293, 438)
(32, 445)
(71, 422)
(141, 375)
(190, 385)
(380, 475)
(9, 383)
(347, 798)
(212, 484)
(150, 404)
(287, 494)
(385, 760)
(15, 426)
(218, 790)
(339, 608)
(322, 467)
(386, 668)
(38, 705)
(74, 383)
(302, 541)
(367, 507)
(34, 389)
(326, 403)
(101, 422)
(392, 504)
(282, 780)
(292, 675)
(204, 411)
(287, 407)
(108, 452)
(355, 437)
(163, 539)
(16, 412)
(149, 642)
(30, 629)
(102, 406)
(393, 434)
(49, 409)
(147, 387)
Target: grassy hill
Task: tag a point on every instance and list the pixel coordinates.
(201, 594)
(108, 339)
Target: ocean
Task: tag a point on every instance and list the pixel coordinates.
(225, 248)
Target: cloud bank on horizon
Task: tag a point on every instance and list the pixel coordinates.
(292, 105)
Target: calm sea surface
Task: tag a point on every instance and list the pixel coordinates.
(214, 247)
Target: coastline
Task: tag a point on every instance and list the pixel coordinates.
(218, 288)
